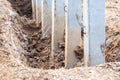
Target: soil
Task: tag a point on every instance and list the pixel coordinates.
(113, 31)
(37, 48)
(22, 7)
(25, 54)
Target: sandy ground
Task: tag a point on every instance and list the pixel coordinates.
(112, 29)
(13, 63)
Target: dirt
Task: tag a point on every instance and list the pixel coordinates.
(25, 54)
(22, 7)
(38, 48)
(109, 71)
(112, 30)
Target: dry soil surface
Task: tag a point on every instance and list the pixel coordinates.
(16, 44)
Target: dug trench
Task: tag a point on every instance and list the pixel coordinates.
(37, 50)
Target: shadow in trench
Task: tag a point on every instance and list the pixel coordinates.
(22, 7)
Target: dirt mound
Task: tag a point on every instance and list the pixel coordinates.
(112, 31)
(109, 71)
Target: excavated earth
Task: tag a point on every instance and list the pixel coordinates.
(25, 54)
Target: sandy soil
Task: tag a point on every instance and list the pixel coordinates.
(112, 29)
(23, 51)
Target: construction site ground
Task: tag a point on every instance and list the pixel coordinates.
(26, 55)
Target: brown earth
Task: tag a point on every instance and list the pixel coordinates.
(22, 7)
(23, 49)
(37, 48)
(113, 31)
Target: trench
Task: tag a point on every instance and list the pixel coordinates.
(37, 49)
